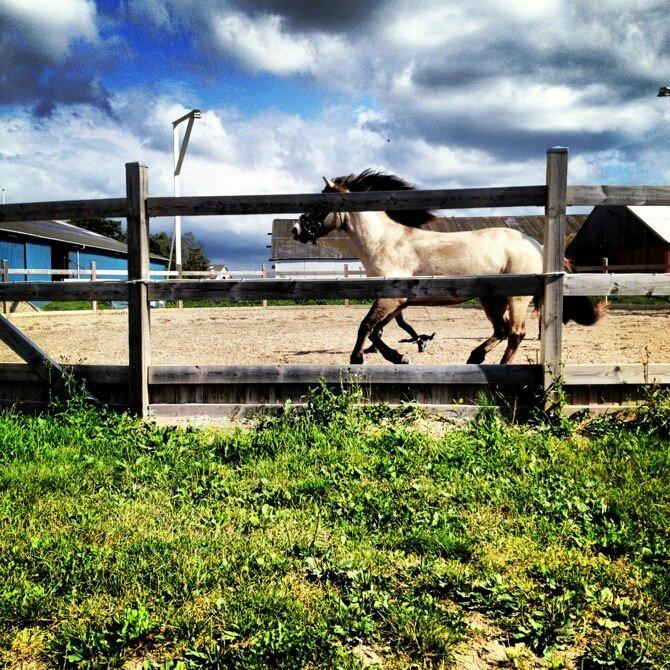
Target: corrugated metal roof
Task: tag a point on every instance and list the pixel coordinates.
(657, 217)
(337, 245)
(61, 231)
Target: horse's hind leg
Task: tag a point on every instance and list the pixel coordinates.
(495, 311)
(381, 312)
(413, 335)
(518, 306)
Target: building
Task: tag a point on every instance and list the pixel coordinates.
(329, 254)
(58, 245)
(332, 252)
(637, 236)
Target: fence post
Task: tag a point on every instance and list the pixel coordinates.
(180, 275)
(5, 279)
(94, 276)
(264, 274)
(139, 341)
(553, 261)
(346, 274)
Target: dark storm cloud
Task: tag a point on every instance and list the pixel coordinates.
(323, 16)
(34, 73)
(497, 138)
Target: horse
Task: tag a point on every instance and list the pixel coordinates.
(396, 244)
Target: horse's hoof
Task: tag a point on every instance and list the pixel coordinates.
(403, 360)
(356, 360)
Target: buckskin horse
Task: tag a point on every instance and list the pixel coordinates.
(395, 244)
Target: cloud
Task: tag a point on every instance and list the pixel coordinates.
(43, 43)
(444, 93)
(262, 45)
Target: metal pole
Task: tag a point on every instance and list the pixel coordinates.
(5, 279)
(176, 235)
(94, 276)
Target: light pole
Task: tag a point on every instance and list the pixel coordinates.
(178, 153)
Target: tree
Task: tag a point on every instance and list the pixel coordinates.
(159, 243)
(106, 227)
(193, 253)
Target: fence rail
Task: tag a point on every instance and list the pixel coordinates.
(464, 198)
(230, 386)
(359, 288)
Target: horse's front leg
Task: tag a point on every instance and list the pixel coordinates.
(421, 341)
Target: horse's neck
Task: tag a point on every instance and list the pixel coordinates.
(373, 235)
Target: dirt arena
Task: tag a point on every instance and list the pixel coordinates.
(248, 335)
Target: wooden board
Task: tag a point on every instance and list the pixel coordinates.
(100, 208)
(334, 374)
(618, 284)
(139, 343)
(511, 196)
(238, 411)
(628, 373)
(353, 288)
(553, 258)
(55, 291)
(618, 195)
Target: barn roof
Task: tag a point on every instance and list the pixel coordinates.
(61, 231)
(337, 246)
(656, 217)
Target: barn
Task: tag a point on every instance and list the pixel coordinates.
(58, 245)
(332, 252)
(637, 236)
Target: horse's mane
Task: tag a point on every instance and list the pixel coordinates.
(373, 180)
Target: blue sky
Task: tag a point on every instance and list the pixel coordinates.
(443, 93)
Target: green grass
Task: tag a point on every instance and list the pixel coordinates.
(289, 543)
(71, 305)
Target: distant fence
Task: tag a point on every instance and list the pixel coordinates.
(240, 389)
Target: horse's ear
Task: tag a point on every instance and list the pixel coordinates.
(329, 184)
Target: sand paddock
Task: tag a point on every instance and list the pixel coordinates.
(248, 335)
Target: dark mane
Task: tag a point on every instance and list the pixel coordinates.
(371, 180)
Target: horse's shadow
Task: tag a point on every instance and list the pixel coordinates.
(307, 352)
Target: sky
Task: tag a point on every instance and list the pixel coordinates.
(443, 93)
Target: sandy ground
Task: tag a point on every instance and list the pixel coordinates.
(248, 335)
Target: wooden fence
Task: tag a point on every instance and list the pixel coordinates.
(172, 390)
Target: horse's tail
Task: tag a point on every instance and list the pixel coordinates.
(578, 308)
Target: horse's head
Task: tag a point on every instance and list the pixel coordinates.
(318, 223)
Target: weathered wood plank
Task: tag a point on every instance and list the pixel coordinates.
(512, 196)
(139, 343)
(334, 374)
(84, 290)
(97, 374)
(551, 345)
(41, 363)
(64, 209)
(618, 195)
(621, 373)
(240, 411)
(620, 284)
(354, 288)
